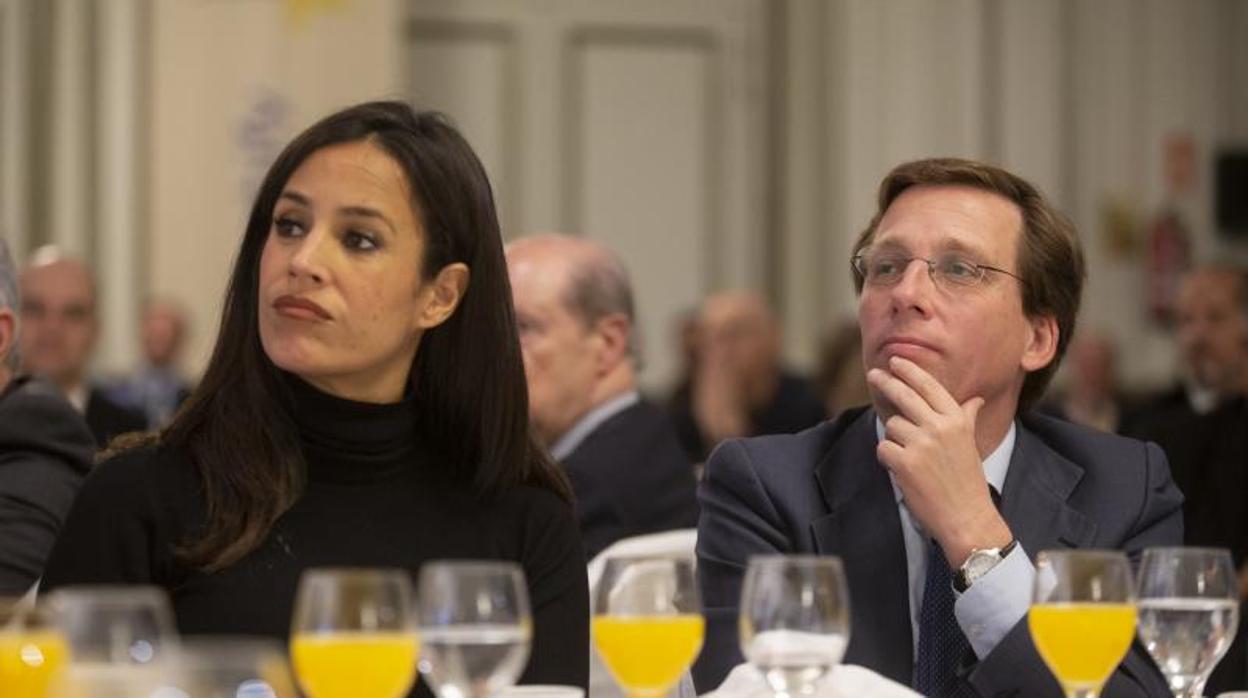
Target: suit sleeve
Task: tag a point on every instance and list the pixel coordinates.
(1014, 667)
(737, 521)
(35, 496)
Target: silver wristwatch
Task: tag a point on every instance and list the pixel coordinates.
(980, 561)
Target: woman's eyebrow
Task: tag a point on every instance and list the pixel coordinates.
(367, 212)
(296, 197)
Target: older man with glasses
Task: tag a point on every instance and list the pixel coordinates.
(939, 495)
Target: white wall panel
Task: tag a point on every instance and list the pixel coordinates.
(70, 180)
(1032, 100)
(14, 96)
(469, 72)
(644, 176)
(635, 122)
(115, 224)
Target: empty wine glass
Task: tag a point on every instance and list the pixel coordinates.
(647, 624)
(1082, 616)
(352, 634)
(1189, 611)
(122, 640)
(794, 620)
(475, 625)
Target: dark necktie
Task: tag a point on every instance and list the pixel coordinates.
(941, 642)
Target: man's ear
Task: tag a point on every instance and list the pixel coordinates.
(613, 332)
(8, 332)
(444, 294)
(1041, 348)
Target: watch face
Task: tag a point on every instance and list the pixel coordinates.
(980, 561)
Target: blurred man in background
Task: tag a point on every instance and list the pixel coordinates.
(739, 386)
(1203, 428)
(839, 378)
(157, 388)
(1091, 396)
(1212, 334)
(45, 451)
(59, 331)
(574, 309)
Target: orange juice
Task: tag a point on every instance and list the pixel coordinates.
(29, 661)
(647, 654)
(1082, 643)
(355, 664)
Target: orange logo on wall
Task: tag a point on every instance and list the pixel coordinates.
(298, 12)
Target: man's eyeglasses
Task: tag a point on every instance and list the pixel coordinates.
(947, 271)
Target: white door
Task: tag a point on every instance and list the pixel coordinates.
(633, 122)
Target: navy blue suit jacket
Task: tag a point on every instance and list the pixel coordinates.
(823, 491)
(630, 477)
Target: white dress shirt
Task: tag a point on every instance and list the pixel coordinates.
(996, 601)
(593, 419)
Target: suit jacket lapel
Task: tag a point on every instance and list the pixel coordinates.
(863, 527)
(1034, 503)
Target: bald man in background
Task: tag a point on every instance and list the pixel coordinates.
(45, 452)
(574, 310)
(59, 331)
(739, 385)
(156, 387)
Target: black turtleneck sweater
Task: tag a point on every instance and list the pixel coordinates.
(374, 498)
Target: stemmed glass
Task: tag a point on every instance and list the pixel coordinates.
(32, 652)
(122, 640)
(647, 622)
(352, 633)
(1082, 616)
(1189, 611)
(794, 620)
(476, 626)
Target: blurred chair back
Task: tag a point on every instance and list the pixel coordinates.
(668, 543)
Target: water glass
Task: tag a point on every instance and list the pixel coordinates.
(122, 639)
(353, 635)
(476, 626)
(1189, 611)
(794, 620)
(647, 622)
(1082, 617)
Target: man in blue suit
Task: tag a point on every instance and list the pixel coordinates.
(969, 284)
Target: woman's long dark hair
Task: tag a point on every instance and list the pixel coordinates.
(467, 377)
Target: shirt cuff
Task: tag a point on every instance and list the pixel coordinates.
(996, 602)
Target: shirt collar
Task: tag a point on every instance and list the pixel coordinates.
(594, 418)
(78, 396)
(996, 465)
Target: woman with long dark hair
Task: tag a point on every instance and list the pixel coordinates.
(365, 404)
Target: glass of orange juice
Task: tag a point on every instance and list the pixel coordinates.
(33, 653)
(1082, 616)
(353, 635)
(647, 622)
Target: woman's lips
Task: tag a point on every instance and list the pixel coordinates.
(299, 308)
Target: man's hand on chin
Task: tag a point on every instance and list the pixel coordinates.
(929, 446)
